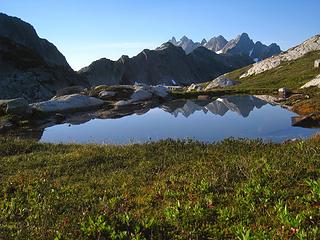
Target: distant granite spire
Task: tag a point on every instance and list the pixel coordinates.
(242, 44)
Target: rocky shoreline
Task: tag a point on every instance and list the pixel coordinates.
(69, 102)
(77, 105)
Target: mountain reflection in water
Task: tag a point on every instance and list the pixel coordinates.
(203, 120)
(242, 105)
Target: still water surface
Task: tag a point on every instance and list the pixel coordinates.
(207, 121)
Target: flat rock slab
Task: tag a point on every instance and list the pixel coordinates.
(141, 94)
(68, 103)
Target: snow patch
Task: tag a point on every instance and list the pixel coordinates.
(250, 53)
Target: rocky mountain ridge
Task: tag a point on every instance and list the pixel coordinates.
(312, 44)
(24, 73)
(31, 67)
(24, 34)
(216, 43)
(242, 44)
(168, 65)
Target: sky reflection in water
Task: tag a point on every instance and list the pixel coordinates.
(235, 116)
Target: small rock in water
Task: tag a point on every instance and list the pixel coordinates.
(203, 97)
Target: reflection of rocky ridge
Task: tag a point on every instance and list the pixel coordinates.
(242, 105)
(186, 108)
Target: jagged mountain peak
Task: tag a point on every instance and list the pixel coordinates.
(23, 33)
(216, 43)
(244, 36)
(185, 38)
(168, 45)
(173, 40)
(242, 44)
(203, 42)
(312, 44)
(203, 50)
(273, 45)
(187, 44)
(220, 37)
(241, 38)
(168, 64)
(31, 67)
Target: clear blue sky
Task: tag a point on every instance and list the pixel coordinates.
(86, 30)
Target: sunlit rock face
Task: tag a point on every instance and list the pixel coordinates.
(242, 44)
(312, 44)
(216, 43)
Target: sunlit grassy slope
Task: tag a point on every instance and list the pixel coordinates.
(292, 74)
